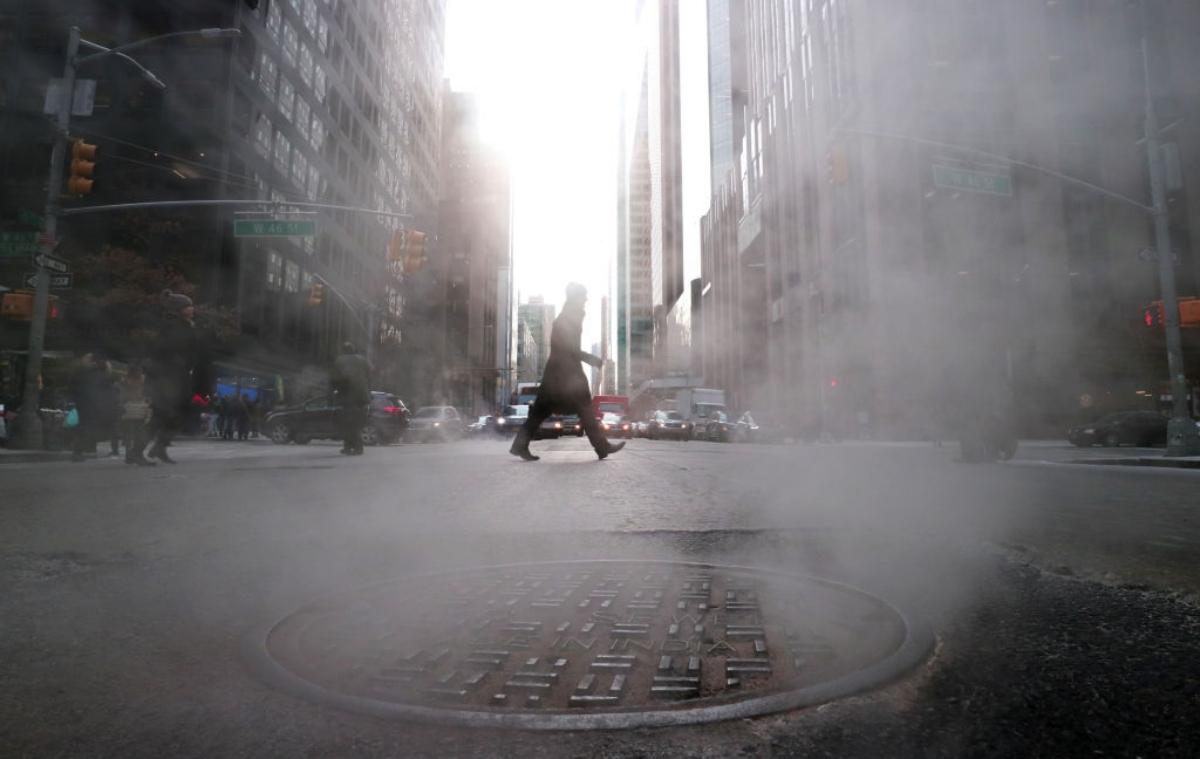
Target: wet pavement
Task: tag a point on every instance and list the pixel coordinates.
(1062, 597)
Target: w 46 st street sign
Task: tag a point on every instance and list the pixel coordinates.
(274, 227)
(972, 180)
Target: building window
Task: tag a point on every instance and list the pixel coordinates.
(283, 152)
(310, 16)
(287, 96)
(266, 75)
(322, 35)
(303, 116)
(306, 64)
(274, 20)
(317, 137)
(314, 179)
(291, 43)
(274, 269)
(319, 83)
(291, 281)
(262, 137)
(299, 168)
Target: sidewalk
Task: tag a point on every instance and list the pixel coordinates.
(38, 456)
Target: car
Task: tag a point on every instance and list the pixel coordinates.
(482, 425)
(1141, 428)
(716, 427)
(615, 425)
(317, 418)
(665, 425)
(746, 430)
(555, 425)
(572, 425)
(511, 419)
(435, 423)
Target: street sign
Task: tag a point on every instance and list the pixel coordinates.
(1149, 254)
(83, 99)
(274, 227)
(18, 244)
(57, 281)
(972, 180)
(48, 261)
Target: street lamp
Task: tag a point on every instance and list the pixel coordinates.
(29, 423)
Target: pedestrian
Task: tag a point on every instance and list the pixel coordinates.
(172, 366)
(135, 411)
(564, 387)
(91, 390)
(242, 417)
(352, 384)
(255, 417)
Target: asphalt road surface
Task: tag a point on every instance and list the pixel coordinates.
(1063, 597)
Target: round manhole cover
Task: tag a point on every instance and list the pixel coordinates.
(589, 644)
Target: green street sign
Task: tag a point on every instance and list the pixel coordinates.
(274, 228)
(970, 180)
(18, 244)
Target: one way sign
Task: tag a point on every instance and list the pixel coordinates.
(57, 281)
(52, 263)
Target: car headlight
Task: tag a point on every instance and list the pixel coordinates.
(558, 425)
(499, 422)
(1089, 430)
(437, 424)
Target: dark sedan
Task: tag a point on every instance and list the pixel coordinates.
(668, 424)
(716, 428)
(1140, 428)
(512, 419)
(615, 425)
(317, 418)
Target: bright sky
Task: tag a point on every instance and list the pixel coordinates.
(548, 74)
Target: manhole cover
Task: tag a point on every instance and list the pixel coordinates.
(589, 644)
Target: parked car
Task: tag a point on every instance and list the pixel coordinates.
(317, 418)
(668, 425)
(615, 425)
(746, 430)
(482, 425)
(511, 419)
(1143, 428)
(716, 427)
(435, 423)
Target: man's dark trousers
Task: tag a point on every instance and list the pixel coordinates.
(352, 418)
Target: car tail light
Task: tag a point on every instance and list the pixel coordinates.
(393, 409)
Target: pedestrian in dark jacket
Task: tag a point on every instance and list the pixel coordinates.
(173, 362)
(564, 387)
(92, 390)
(352, 383)
(241, 407)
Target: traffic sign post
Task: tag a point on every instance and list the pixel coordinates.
(274, 228)
(52, 263)
(57, 281)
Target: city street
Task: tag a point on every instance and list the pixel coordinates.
(1063, 597)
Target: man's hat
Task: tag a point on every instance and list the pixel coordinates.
(576, 291)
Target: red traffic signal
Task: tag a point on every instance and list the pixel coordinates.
(83, 166)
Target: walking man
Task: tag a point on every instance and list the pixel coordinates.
(173, 361)
(352, 382)
(564, 386)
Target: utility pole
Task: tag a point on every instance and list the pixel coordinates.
(1183, 438)
(29, 421)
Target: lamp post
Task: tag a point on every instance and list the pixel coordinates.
(29, 423)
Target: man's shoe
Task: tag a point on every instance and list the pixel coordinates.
(160, 453)
(523, 452)
(612, 448)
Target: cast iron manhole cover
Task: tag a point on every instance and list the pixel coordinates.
(589, 644)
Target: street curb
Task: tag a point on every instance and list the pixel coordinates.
(32, 457)
(918, 643)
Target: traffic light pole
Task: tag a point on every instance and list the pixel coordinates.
(1183, 437)
(29, 420)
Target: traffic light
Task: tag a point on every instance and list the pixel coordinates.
(414, 251)
(315, 294)
(18, 306)
(1152, 315)
(837, 164)
(1189, 312)
(83, 165)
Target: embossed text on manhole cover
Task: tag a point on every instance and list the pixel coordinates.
(589, 644)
